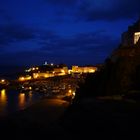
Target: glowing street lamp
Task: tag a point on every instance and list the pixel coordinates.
(70, 91)
(2, 80)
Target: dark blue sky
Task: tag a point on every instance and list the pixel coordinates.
(62, 31)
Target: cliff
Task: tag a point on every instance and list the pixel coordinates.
(119, 75)
(125, 72)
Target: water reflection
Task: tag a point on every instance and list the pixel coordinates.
(3, 101)
(30, 96)
(12, 100)
(3, 96)
(21, 100)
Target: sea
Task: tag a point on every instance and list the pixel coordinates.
(13, 100)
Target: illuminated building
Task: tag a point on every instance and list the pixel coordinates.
(24, 78)
(63, 70)
(42, 75)
(45, 63)
(86, 69)
(136, 37)
(50, 70)
(132, 35)
(32, 69)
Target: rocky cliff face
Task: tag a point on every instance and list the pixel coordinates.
(119, 75)
(124, 70)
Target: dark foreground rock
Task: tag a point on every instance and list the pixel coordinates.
(103, 119)
(90, 118)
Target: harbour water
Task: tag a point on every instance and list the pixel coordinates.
(12, 100)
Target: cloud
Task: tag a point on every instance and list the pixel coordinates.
(62, 2)
(88, 43)
(92, 10)
(4, 16)
(23, 58)
(81, 49)
(10, 33)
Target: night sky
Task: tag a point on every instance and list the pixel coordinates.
(62, 31)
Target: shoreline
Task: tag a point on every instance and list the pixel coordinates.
(41, 104)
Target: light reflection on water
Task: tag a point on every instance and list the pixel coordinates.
(3, 96)
(21, 100)
(3, 101)
(11, 101)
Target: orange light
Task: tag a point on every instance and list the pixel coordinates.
(21, 78)
(2, 80)
(28, 78)
(70, 91)
(73, 93)
(62, 71)
(92, 71)
(3, 96)
(21, 100)
(35, 75)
